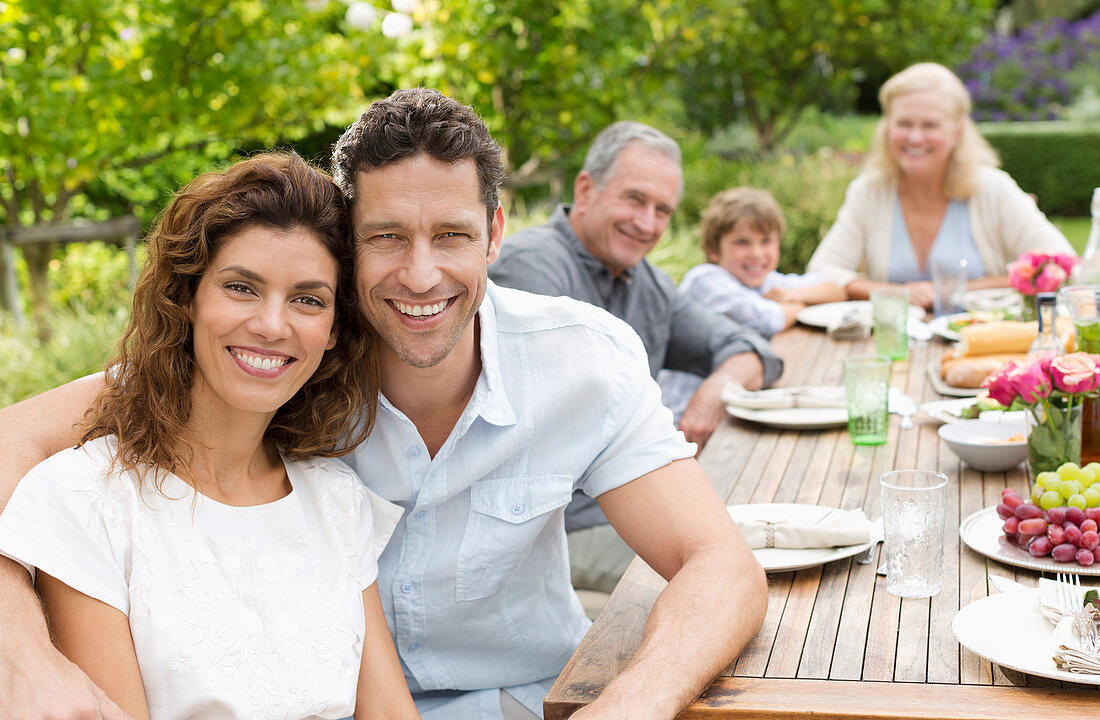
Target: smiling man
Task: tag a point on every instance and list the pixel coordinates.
(497, 405)
(623, 200)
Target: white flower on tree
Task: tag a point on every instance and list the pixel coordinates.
(360, 15)
(396, 25)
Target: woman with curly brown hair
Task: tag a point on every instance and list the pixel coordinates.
(198, 556)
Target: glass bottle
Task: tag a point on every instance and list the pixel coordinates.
(1047, 339)
(1087, 272)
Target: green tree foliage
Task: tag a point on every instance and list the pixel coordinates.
(765, 61)
(106, 98)
(547, 76)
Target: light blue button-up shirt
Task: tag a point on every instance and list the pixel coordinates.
(475, 581)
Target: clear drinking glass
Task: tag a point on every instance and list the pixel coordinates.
(890, 314)
(914, 503)
(867, 392)
(949, 279)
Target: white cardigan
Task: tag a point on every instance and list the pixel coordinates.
(1004, 222)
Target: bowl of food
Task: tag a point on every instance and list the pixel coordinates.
(987, 445)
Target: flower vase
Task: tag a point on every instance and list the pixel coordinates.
(1030, 308)
(1053, 434)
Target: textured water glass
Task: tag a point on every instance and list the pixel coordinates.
(914, 503)
(949, 279)
(890, 317)
(867, 392)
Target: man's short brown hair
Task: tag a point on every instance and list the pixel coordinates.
(411, 122)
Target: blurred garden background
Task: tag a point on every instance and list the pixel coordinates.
(107, 106)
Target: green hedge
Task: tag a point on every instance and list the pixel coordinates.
(1058, 162)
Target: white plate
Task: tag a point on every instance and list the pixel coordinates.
(943, 388)
(946, 411)
(939, 326)
(789, 559)
(993, 299)
(1008, 629)
(982, 532)
(826, 314)
(800, 418)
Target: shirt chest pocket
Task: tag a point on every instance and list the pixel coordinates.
(508, 517)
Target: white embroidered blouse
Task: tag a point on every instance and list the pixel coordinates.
(246, 612)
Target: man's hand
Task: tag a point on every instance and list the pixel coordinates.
(38, 683)
(705, 409)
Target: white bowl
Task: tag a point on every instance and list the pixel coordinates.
(975, 442)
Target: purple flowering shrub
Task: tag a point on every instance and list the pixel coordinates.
(1035, 74)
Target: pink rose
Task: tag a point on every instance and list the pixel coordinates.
(1030, 382)
(1066, 262)
(1075, 373)
(1034, 258)
(1020, 274)
(1051, 278)
(1000, 389)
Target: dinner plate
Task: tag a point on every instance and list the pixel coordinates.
(943, 388)
(939, 326)
(826, 314)
(946, 411)
(799, 418)
(1008, 629)
(982, 532)
(993, 299)
(790, 559)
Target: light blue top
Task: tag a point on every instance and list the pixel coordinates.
(713, 287)
(475, 580)
(953, 242)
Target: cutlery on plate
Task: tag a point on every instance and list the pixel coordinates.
(876, 537)
(1069, 592)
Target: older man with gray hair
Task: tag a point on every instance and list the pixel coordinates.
(595, 251)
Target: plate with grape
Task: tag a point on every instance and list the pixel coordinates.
(1055, 535)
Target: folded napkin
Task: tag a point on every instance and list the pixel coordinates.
(918, 329)
(837, 529)
(853, 325)
(786, 397)
(1050, 601)
(1076, 643)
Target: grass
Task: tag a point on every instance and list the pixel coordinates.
(1075, 229)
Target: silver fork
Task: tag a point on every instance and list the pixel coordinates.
(1069, 592)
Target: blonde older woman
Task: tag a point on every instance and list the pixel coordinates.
(930, 192)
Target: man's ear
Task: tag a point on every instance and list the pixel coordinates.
(583, 187)
(497, 237)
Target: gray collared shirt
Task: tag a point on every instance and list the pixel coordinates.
(678, 333)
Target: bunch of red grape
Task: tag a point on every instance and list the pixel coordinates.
(1065, 533)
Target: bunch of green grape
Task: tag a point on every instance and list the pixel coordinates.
(1071, 486)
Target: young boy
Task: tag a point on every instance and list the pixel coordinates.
(741, 232)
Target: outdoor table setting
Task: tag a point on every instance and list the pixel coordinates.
(845, 635)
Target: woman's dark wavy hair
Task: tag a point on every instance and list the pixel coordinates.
(147, 399)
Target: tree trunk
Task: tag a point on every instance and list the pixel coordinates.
(38, 256)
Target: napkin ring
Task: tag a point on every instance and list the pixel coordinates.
(769, 534)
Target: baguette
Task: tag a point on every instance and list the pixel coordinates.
(1007, 337)
(969, 372)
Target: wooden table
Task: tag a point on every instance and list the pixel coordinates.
(834, 643)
